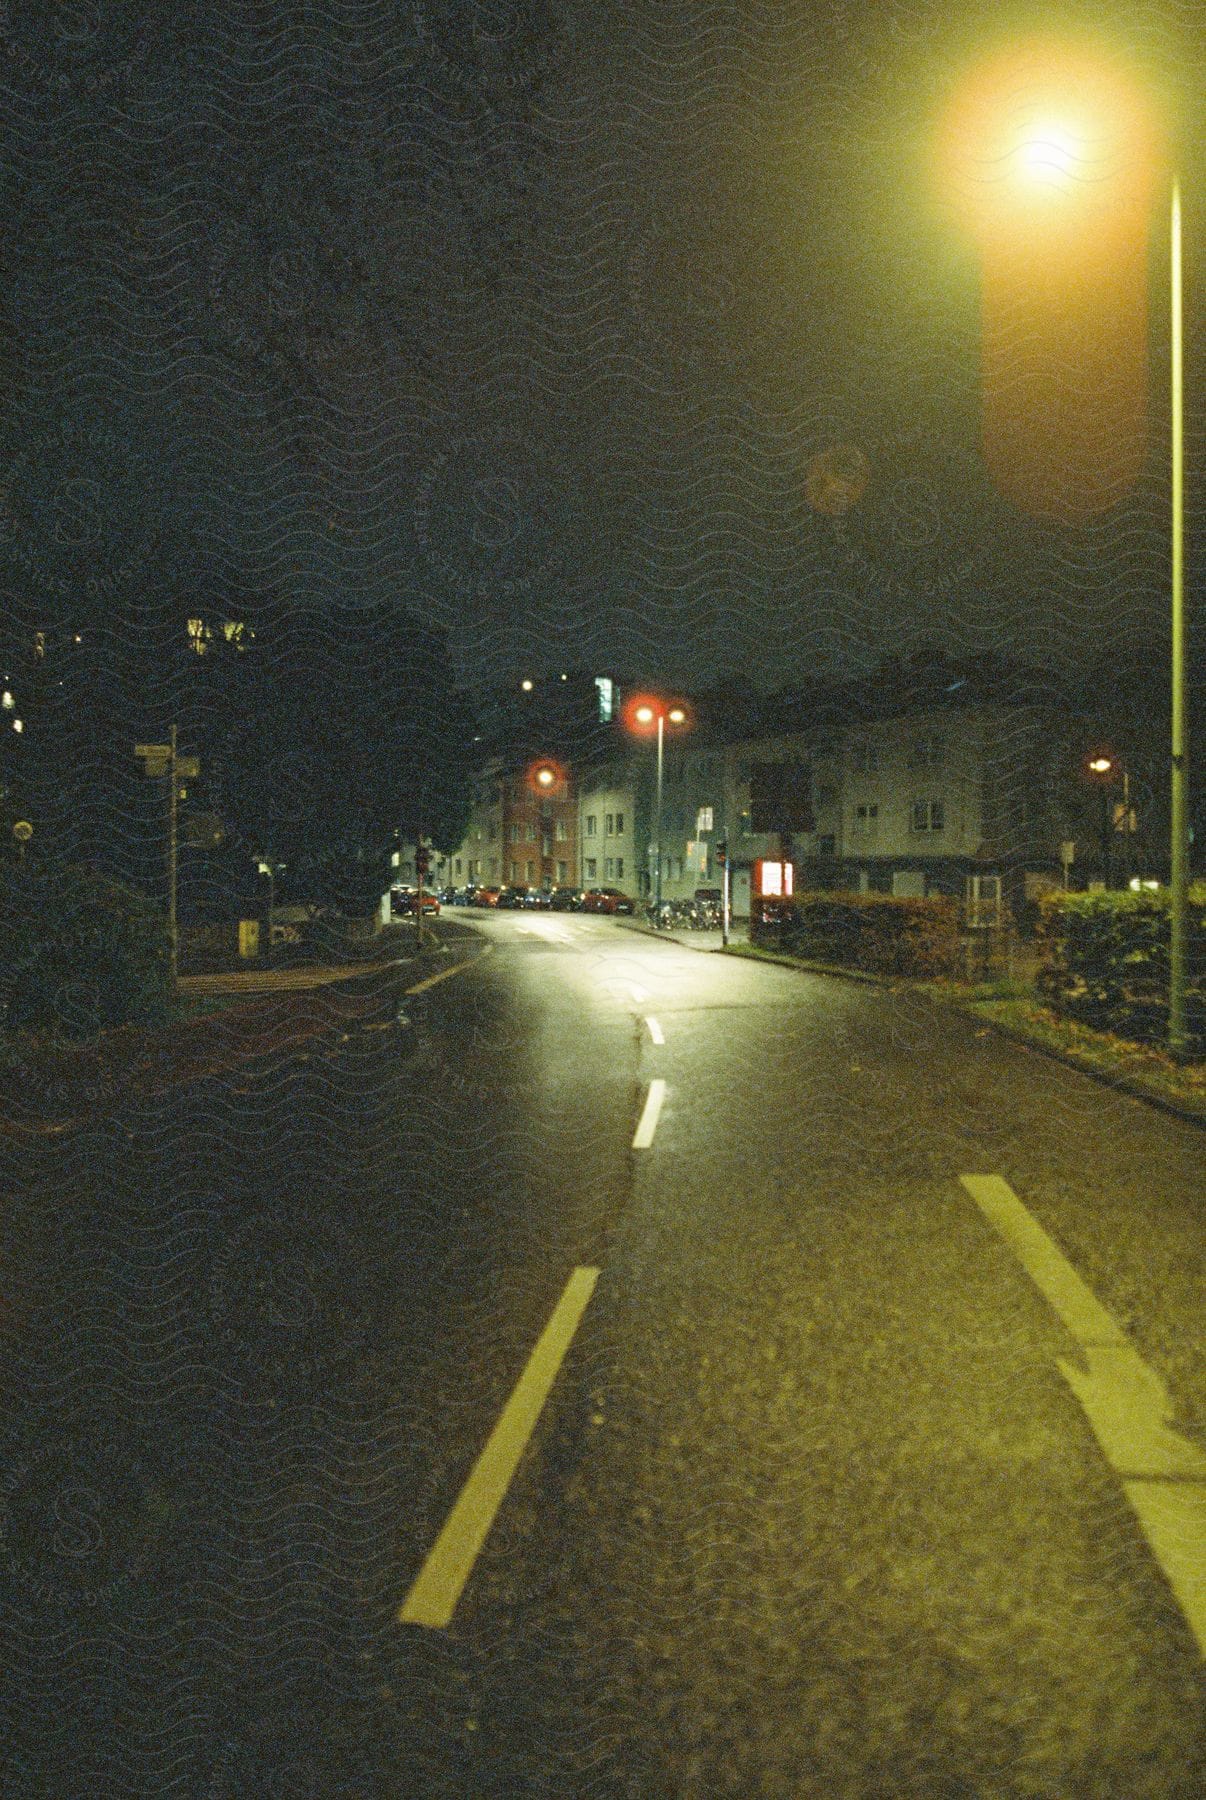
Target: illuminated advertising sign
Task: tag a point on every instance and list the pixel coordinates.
(774, 880)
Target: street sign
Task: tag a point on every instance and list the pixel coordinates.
(156, 750)
(1067, 850)
(23, 831)
(156, 768)
(704, 821)
(188, 766)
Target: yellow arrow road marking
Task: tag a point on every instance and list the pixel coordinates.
(1126, 1403)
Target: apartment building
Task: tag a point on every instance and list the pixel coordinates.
(519, 833)
(612, 823)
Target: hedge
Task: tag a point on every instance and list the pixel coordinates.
(79, 953)
(882, 934)
(1106, 961)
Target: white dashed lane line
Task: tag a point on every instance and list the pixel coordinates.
(655, 1030)
(648, 1124)
(1163, 1475)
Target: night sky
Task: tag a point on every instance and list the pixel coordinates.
(536, 317)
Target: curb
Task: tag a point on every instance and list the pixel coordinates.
(1118, 1084)
(40, 1130)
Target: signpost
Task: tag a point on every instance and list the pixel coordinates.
(161, 759)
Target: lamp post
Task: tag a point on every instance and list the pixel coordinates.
(1104, 768)
(1054, 155)
(645, 713)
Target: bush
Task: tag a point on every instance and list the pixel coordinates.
(79, 953)
(1106, 961)
(882, 934)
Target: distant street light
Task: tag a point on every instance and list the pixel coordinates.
(1107, 159)
(1105, 768)
(644, 713)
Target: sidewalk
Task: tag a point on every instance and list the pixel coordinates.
(690, 940)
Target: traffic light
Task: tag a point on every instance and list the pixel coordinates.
(422, 859)
(722, 852)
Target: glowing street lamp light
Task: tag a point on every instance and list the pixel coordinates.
(1062, 149)
(645, 713)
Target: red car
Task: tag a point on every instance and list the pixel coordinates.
(405, 900)
(486, 896)
(607, 900)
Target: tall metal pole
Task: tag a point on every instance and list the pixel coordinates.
(172, 797)
(1179, 794)
(661, 722)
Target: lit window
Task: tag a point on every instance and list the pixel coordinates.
(562, 831)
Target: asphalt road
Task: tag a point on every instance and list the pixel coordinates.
(831, 1480)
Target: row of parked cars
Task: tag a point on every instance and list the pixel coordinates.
(558, 899)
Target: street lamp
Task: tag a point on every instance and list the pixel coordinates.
(644, 713)
(1092, 137)
(1104, 768)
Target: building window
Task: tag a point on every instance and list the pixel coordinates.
(619, 824)
(458, 865)
(562, 831)
(591, 824)
(826, 846)
(610, 825)
(927, 815)
(865, 820)
(609, 867)
(562, 874)
(514, 831)
(592, 868)
(531, 871)
(619, 868)
(864, 759)
(514, 871)
(928, 752)
(492, 831)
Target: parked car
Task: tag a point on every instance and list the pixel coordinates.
(511, 897)
(565, 899)
(406, 900)
(537, 897)
(485, 896)
(607, 900)
(458, 897)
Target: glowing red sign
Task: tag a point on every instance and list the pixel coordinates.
(775, 880)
